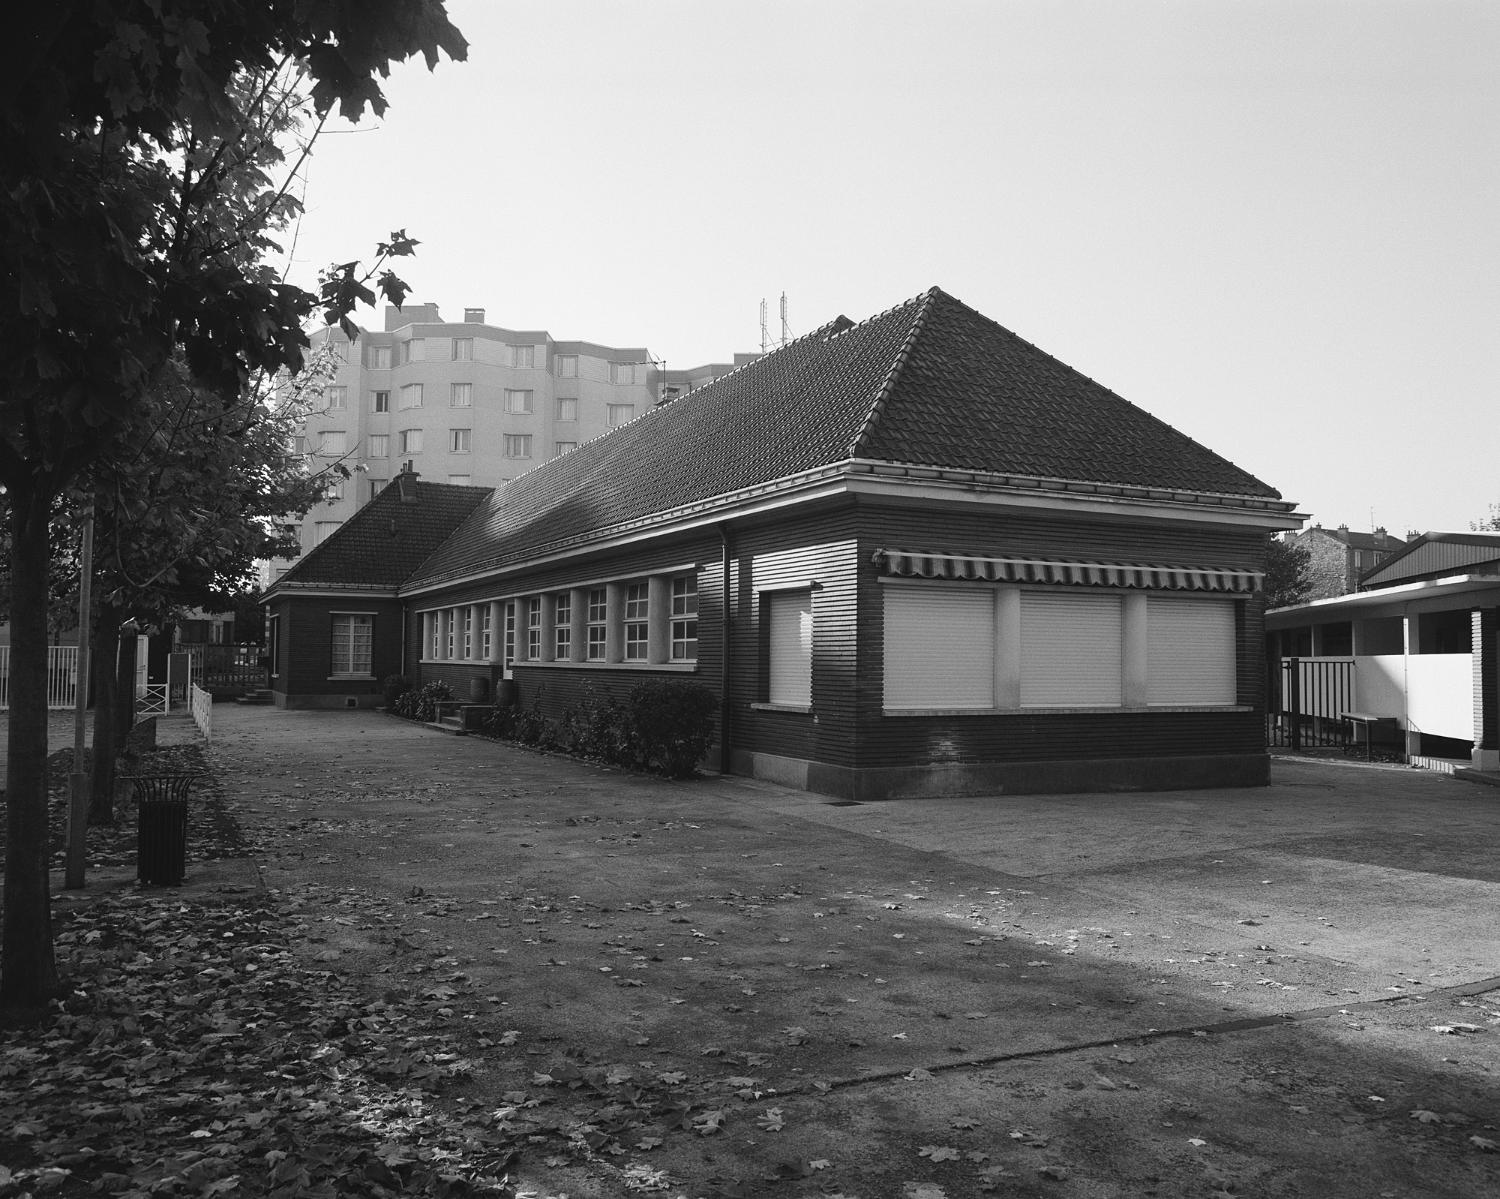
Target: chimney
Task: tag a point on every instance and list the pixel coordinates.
(473, 316)
(407, 480)
(1379, 537)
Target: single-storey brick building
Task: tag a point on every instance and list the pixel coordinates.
(914, 555)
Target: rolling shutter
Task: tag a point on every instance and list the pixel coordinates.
(939, 647)
(1070, 650)
(1190, 656)
(790, 621)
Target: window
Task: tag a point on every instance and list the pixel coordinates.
(335, 444)
(450, 632)
(377, 486)
(273, 643)
(939, 647)
(1070, 650)
(486, 633)
(380, 401)
(637, 622)
(324, 529)
(338, 397)
(523, 355)
(562, 627)
(434, 634)
(414, 349)
(461, 395)
(468, 633)
(534, 629)
(299, 445)
(411, 395)
(463, 349)
(518, 445)
(1190, 651)
(567, 409)
(619, 414)
(598, 625)
(380, 445)
(353, 636)
(334, 491)
(789, 623)
(378, 357)
(458, 441)
(459, 480)
(566, 366)
(411, 441)
(622, 372)
(684, 618)
(518, 402)
(563, 447)
(510, 634)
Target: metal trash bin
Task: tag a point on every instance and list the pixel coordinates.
(161, 823)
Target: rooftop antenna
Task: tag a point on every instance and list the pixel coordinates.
(786, 335)
(765, 334)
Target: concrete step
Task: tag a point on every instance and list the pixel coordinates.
(256, 697)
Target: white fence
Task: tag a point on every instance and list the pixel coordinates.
(201, 704)
(62, 676)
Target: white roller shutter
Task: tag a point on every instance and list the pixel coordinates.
(789, 618)
(1190, 651)
(1070, 650)
(939, 647)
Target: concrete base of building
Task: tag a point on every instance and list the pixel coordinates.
(1069, 777)
(324, 702)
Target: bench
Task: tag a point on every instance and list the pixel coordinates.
(1375, 727)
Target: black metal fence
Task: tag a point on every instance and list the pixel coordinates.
(1306, 702)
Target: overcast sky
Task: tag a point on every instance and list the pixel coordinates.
(1274, 225)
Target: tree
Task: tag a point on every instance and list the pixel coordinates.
(1490, 524)
(1287, 579)
(139, 144)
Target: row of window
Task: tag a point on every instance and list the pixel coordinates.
(648, 621)
(524, 357)
(518, 402)
(334, 444)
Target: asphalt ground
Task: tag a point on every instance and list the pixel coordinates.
(1236, 992)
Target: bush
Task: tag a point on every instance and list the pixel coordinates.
(670, 725)
(394, 687)
(423, 704)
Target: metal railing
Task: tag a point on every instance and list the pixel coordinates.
(201, 705)
(62, 676)
(1307, 701)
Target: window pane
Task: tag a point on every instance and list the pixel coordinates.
(563, 627)
(597, 623)
(789, 620)
(380, 401)
(458, 441)
(684, 618)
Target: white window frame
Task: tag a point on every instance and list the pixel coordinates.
(351, 648)
(338, 395)
(597, 623)
(637, 621)
(616, 415)
(410, 441)
(380, 445)
(566, 366)
(567, 408)
(380, 400)
(518, 445)
(519, 401)
(460, 440)
(787, 617)
(562, 626)
(463, 349)
(684, 628)
(461, 395)
(380, 358)
(411, 396)
(523, 357)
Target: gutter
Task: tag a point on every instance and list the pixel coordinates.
(726, 624)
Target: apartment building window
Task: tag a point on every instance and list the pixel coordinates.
(518, 403)
(637, 622)
(564, 447)
(334, 443)
(380, 401)
(534, 629)
(334, 492)
(461, 395)
(518, 445)
(622, 372)
(567, 408)
(598, 623)
(378, 357)
(324, 529)
(338, 396)
(380, 445)
(463, 349)
(411, 441)
(619, 414)
(353, 639)
(411, 395)
(299, 445)
(458, 441)
(377, 486)
(459, 480)
(562, 627)
(523, 356)
(567, 366)
(413, 349)
(685, 618)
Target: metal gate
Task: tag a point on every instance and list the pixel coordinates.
(1306, 703)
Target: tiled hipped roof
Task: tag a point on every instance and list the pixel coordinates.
(387, 539)
(928, 383)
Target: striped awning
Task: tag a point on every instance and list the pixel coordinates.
(909, 565)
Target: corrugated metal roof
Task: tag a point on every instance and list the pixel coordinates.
(1434, 554)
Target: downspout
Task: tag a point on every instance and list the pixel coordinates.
(726, 624)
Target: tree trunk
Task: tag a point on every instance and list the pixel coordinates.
(102, 769)
(124, 713)
(28, 969)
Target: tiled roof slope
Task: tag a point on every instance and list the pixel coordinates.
(381, 544)
(973, 395)
(929, 382)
